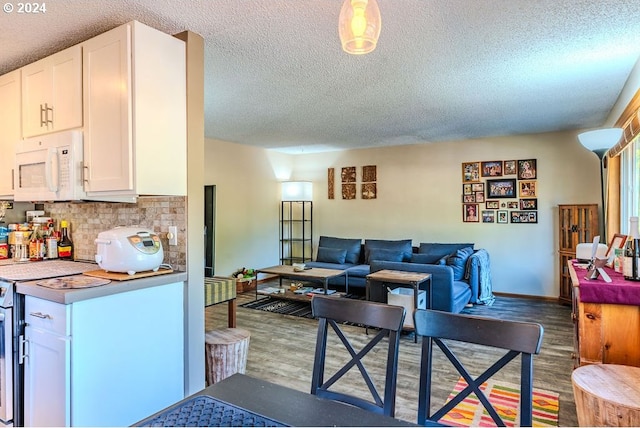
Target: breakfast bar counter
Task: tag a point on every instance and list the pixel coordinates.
(71, 295)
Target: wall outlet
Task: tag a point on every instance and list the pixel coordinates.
(173, 235)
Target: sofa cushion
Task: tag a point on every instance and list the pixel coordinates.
(458, 262)
(402, 246)
(436, 250)
(427, 259)
(331, 255)
(351, 245)
(358, 271)
(385, 255)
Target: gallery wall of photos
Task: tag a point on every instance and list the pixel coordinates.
(502, 191)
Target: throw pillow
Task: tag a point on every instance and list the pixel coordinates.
(458, 261)
(383, 255)
(402, 246)
(331, 255)
(351, 245)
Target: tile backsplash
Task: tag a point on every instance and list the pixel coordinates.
(87, 219)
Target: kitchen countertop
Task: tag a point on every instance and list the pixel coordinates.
(68, 296)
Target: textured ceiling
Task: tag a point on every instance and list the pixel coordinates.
(277, 77)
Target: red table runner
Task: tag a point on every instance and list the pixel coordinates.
(618, 291)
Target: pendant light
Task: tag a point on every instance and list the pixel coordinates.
(359, 26)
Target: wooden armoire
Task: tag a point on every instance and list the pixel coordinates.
(577, 224)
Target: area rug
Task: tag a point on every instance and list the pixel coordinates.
(281, 306)
(505, 398)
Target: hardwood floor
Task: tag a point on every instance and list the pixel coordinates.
(282, 347)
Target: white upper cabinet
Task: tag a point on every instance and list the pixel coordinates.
(9, 129)
(52, 93)
(134, 103)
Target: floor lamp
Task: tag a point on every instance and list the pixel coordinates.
(599, 141)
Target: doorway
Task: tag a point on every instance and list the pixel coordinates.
(209, 230)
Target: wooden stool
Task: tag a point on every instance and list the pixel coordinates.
(226, 352)
(607, 395)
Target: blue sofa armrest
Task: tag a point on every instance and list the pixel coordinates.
(478, 275)
(448, 295)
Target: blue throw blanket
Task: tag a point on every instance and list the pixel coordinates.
(485, 292)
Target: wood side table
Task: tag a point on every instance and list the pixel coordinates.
(607, 395)
(402, 278)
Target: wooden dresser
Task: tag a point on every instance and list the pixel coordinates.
(603, 332)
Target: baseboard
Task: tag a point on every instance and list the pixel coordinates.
(527, 296)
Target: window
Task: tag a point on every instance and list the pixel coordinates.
(629, 184)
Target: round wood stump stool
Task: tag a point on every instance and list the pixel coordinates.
(607, 395)
(226, 352)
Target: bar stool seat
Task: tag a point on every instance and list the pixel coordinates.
(607, 395)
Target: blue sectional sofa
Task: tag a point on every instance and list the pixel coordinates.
(460, 274)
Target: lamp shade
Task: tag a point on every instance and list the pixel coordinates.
(359, 26)
(297, 191)
(600, 139)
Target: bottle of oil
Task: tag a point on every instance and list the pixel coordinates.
(65, 247)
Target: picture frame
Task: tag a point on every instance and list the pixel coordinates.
(529, 204)
(509, 167)
(470, 172)
(527, 189)
(503, 216)
(491, 168)
(527, 169)
(618, 241)
(479, 197)
(501, 188)
(470, 213)
(524, 216)
(466, 189)
(477, 187)
(492, 205)
(512, 205)
(467, 199)
(488, 216)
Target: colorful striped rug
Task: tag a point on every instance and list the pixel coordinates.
(505, 397)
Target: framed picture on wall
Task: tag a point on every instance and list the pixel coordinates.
(503, 216)
(477, 187)
(479, 197)
(527, 189)
(528, 204)
(510, 167)
(527, 169)
(488, 216)
(470, 213)
(469, 198)
(502, 188)
(466, 189)
(492, 205)
(491, 168)
(470, 172)
(513, 205)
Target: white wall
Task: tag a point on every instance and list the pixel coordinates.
(419, 197)
(247, 203)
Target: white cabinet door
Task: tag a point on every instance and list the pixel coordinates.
(134, 113)
(9, 129)
(46, 378)
(52, 93)
(108, 153)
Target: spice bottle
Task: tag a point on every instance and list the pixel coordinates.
(65, 247)
(35, 244)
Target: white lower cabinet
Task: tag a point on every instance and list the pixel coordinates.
(107, 361)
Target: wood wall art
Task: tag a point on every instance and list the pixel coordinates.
(331, 174)
(348, 190)
(369, 176)
(369, 191)
(507, 188)
(348, 174)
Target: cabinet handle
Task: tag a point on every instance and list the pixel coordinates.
(42, 112)
(85, 173)
(41, 315)
(13, 180)
(22, 349)
(47, 110)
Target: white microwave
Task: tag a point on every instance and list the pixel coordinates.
(49, 168)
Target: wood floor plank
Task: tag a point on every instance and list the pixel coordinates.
(282, 348)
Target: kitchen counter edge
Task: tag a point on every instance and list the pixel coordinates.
(66, 297)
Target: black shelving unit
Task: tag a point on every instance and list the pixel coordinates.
(296, 232)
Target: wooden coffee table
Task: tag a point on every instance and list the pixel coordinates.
(314, 275)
